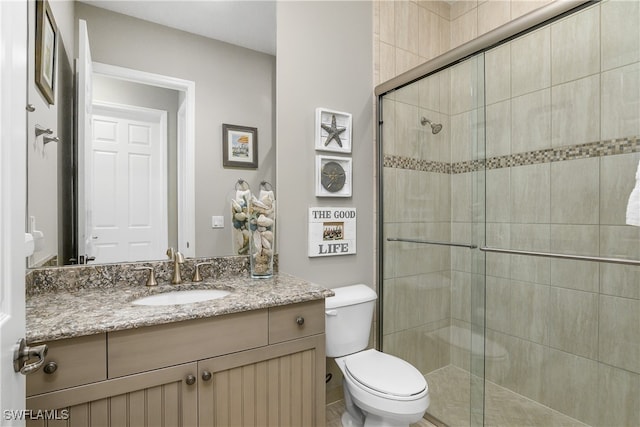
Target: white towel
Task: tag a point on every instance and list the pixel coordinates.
(633, 207)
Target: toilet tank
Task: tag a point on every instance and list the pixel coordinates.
(348, 317)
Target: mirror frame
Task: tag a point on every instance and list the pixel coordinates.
(186, 144)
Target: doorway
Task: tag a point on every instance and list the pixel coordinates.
(126, 176)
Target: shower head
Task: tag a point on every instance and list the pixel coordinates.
(435, 127)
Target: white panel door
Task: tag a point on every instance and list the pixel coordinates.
(127, 180)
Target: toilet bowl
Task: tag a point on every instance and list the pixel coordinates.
(380, 390)
(386, 389)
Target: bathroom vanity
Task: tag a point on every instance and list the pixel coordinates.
(254, 357)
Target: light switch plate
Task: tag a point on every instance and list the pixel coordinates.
(217, 221)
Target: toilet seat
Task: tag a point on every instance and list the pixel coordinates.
(385, 375)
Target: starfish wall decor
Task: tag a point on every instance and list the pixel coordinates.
(333, 131)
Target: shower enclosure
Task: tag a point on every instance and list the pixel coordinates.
(509, 276)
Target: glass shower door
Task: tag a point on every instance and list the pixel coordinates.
(562, 153)
(432, 210)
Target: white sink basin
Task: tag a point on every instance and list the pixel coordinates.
(181, 297)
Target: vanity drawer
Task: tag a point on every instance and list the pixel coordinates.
(293, 321)
(143, 349)
(77, 361)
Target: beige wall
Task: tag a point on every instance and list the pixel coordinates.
(234, 85)
(322, 62)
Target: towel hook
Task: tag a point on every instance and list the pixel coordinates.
(47, 139)
(42, 130)
(241, 184)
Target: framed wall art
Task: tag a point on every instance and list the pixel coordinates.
(333, 131)
(239, 146)
(46, 50)
(333, 176)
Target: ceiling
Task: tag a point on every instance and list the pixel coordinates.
(246, 23)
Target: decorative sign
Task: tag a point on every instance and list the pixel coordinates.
(332, 231)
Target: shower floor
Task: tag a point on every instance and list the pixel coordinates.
(449, 390)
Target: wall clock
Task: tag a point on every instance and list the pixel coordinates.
(333, 176)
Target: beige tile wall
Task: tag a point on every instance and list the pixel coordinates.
(417, 291)
(571, 325)
(571, 329)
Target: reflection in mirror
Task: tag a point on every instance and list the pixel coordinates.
(132, 164)
(233, 85)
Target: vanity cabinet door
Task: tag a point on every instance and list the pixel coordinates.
(163, 397)
(279, 385)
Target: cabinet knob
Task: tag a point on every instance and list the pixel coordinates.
(300, 320)
(50, 368)
(190, 380)
(206, 375)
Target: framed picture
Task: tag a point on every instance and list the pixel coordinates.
(46, 47)
(333, 131)
(239, 146)
(333, 176)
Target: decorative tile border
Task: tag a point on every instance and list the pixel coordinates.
(401, 162)
(572, 152)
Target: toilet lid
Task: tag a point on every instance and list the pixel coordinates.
(385, 373)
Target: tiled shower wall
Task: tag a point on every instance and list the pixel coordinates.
(410, 32)
(417, 204)
(563, 107)
(562, 120)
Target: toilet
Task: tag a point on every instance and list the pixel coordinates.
(379, 389)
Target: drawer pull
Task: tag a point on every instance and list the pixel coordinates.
(50, 368)
(300, 320)
(206, 375)
(190, 380)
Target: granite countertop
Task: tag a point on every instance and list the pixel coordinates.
(66, 313)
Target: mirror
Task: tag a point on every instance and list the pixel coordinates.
(233, 85)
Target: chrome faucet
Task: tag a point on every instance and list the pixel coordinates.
(177, 259)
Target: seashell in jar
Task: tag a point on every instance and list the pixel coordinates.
(257, 241)
(263, 221)
(268, 235)
(258, 204)
(265, 243)
(236, 206)
(240, 216)
(239, 239)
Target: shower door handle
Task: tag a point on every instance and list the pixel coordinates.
(562, 256)
(431, 242)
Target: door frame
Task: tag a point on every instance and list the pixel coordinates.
(185, 142)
